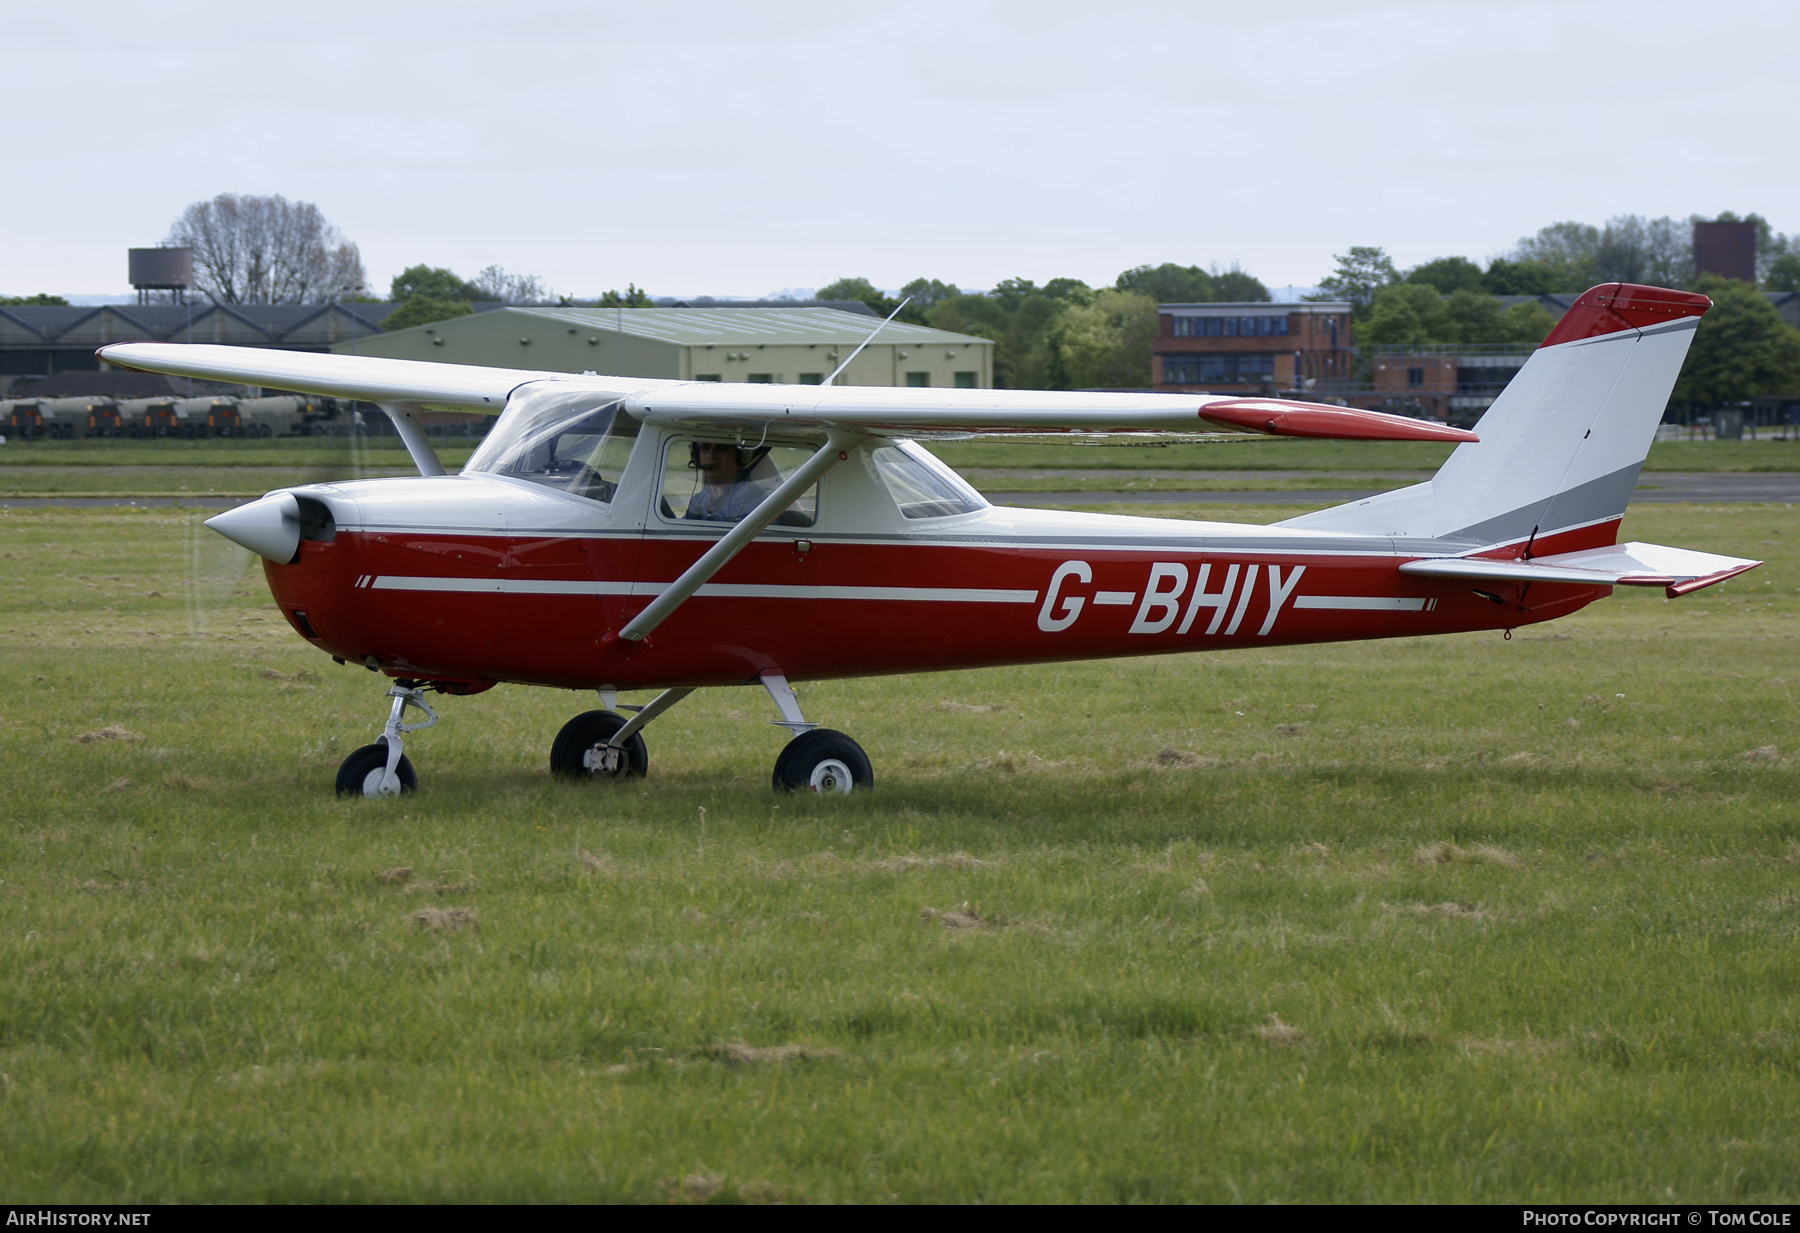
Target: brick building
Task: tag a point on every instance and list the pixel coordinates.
(1252, 348)
(1454, 383)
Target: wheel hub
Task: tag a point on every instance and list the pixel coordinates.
(603, 759)
(832, 777)
(372, 783)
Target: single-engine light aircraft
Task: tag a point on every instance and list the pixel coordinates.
(616, 533)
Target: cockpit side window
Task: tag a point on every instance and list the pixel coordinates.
(574, 443)
(722, 481)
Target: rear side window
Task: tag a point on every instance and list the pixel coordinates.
(923, 487)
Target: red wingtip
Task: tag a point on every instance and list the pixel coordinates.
(1613, 308)
(1281, 418)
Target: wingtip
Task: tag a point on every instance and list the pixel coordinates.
(1283, 418)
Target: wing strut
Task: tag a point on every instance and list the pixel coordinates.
(837, 447)
(406, 422)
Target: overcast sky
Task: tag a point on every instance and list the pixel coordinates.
(737, 149)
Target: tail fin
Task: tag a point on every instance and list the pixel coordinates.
(1562, 445)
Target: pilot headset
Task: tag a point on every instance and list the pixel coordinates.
(740, 455)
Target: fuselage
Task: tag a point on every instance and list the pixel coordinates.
(484, 578)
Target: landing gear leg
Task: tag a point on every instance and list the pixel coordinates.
(815, 759)
(605, 744)
(383, 769)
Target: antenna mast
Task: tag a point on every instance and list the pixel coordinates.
(865, 342)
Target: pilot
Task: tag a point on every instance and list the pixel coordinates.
(728, 492)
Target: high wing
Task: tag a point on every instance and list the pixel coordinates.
(459, 387)
(741, 408)
(893, 411)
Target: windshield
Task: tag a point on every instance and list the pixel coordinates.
(922, 486)
(575, 441)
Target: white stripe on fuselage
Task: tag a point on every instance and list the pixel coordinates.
(1361, 603)
(717, 590)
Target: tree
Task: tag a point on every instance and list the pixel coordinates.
(1568, 250)
(882, 305)
(424, 310)
(1743, 348)
(1233, 286)
(927, 293)
(1449, 274)
(432, 281)
(495, 283)
(1524, 323)
(1657, 251)
(1406, 314)
(1106, 343)
(633, 296)
(1505, 277)
(1784, 273)
(856, 289)
(1168, 283)
(1020, 318)
(1414, 314)
(33, 301)
(266, 250)
(1360, 273)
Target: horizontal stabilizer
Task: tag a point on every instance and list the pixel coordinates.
(1677, 570)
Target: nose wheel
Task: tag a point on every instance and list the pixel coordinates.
(383, 769)
(365, 772)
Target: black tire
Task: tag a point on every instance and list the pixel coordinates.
(823, 761)
(586, 735)
(361, 771)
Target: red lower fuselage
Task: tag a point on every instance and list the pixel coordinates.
(476, 607)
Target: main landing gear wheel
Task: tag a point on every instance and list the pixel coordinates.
(362, 772)
(581, 749)
(823, 761)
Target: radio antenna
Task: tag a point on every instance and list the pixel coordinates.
(865, 342)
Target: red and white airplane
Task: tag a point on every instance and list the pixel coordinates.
(616, 533)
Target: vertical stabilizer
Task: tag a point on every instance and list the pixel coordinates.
(1562, 445)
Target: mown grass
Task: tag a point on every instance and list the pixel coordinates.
(345, 455)
(1460, 919)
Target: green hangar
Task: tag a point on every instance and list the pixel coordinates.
(799, 346)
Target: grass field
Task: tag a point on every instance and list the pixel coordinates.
(1462, 919)
(345, 456)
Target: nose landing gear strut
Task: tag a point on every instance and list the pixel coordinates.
(383, 769)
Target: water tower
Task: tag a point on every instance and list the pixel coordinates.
(161, 269)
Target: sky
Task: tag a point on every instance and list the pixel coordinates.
(739, 149)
